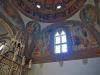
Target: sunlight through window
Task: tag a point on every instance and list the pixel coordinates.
(64, 48)
(63, 33)
(63, 38)
(57, 34)
(57, 49)
(57, 40)
(60, 43)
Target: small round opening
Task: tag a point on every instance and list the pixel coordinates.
(38, 6)
(59, 7)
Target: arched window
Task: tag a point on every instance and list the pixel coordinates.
(60, 42)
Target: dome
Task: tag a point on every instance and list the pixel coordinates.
(48, 10)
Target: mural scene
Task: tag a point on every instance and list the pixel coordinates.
(41, 31)
(32, 41)
(89, 16)
(79, 37)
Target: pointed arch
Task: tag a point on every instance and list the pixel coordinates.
(60, 42)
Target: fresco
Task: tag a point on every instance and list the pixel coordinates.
(2, 30)
(97, 5)
(33, 29)
(78, 38)
(89, 16)
(88, 13)
(83, 38)
(51, 14)
(5, 31)
(11, 14)
(46, 37)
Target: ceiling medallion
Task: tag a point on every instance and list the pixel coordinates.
(48, 10)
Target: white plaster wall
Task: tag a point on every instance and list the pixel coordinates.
(75, 67)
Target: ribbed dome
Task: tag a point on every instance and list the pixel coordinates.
(48, 10)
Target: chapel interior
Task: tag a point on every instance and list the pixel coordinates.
(49, 37)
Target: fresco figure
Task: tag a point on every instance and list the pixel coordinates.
(82, 38)
(38, 47)
(76, 37)
(89, 16)
(46, 40)
(33, 30)
(85, 40)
